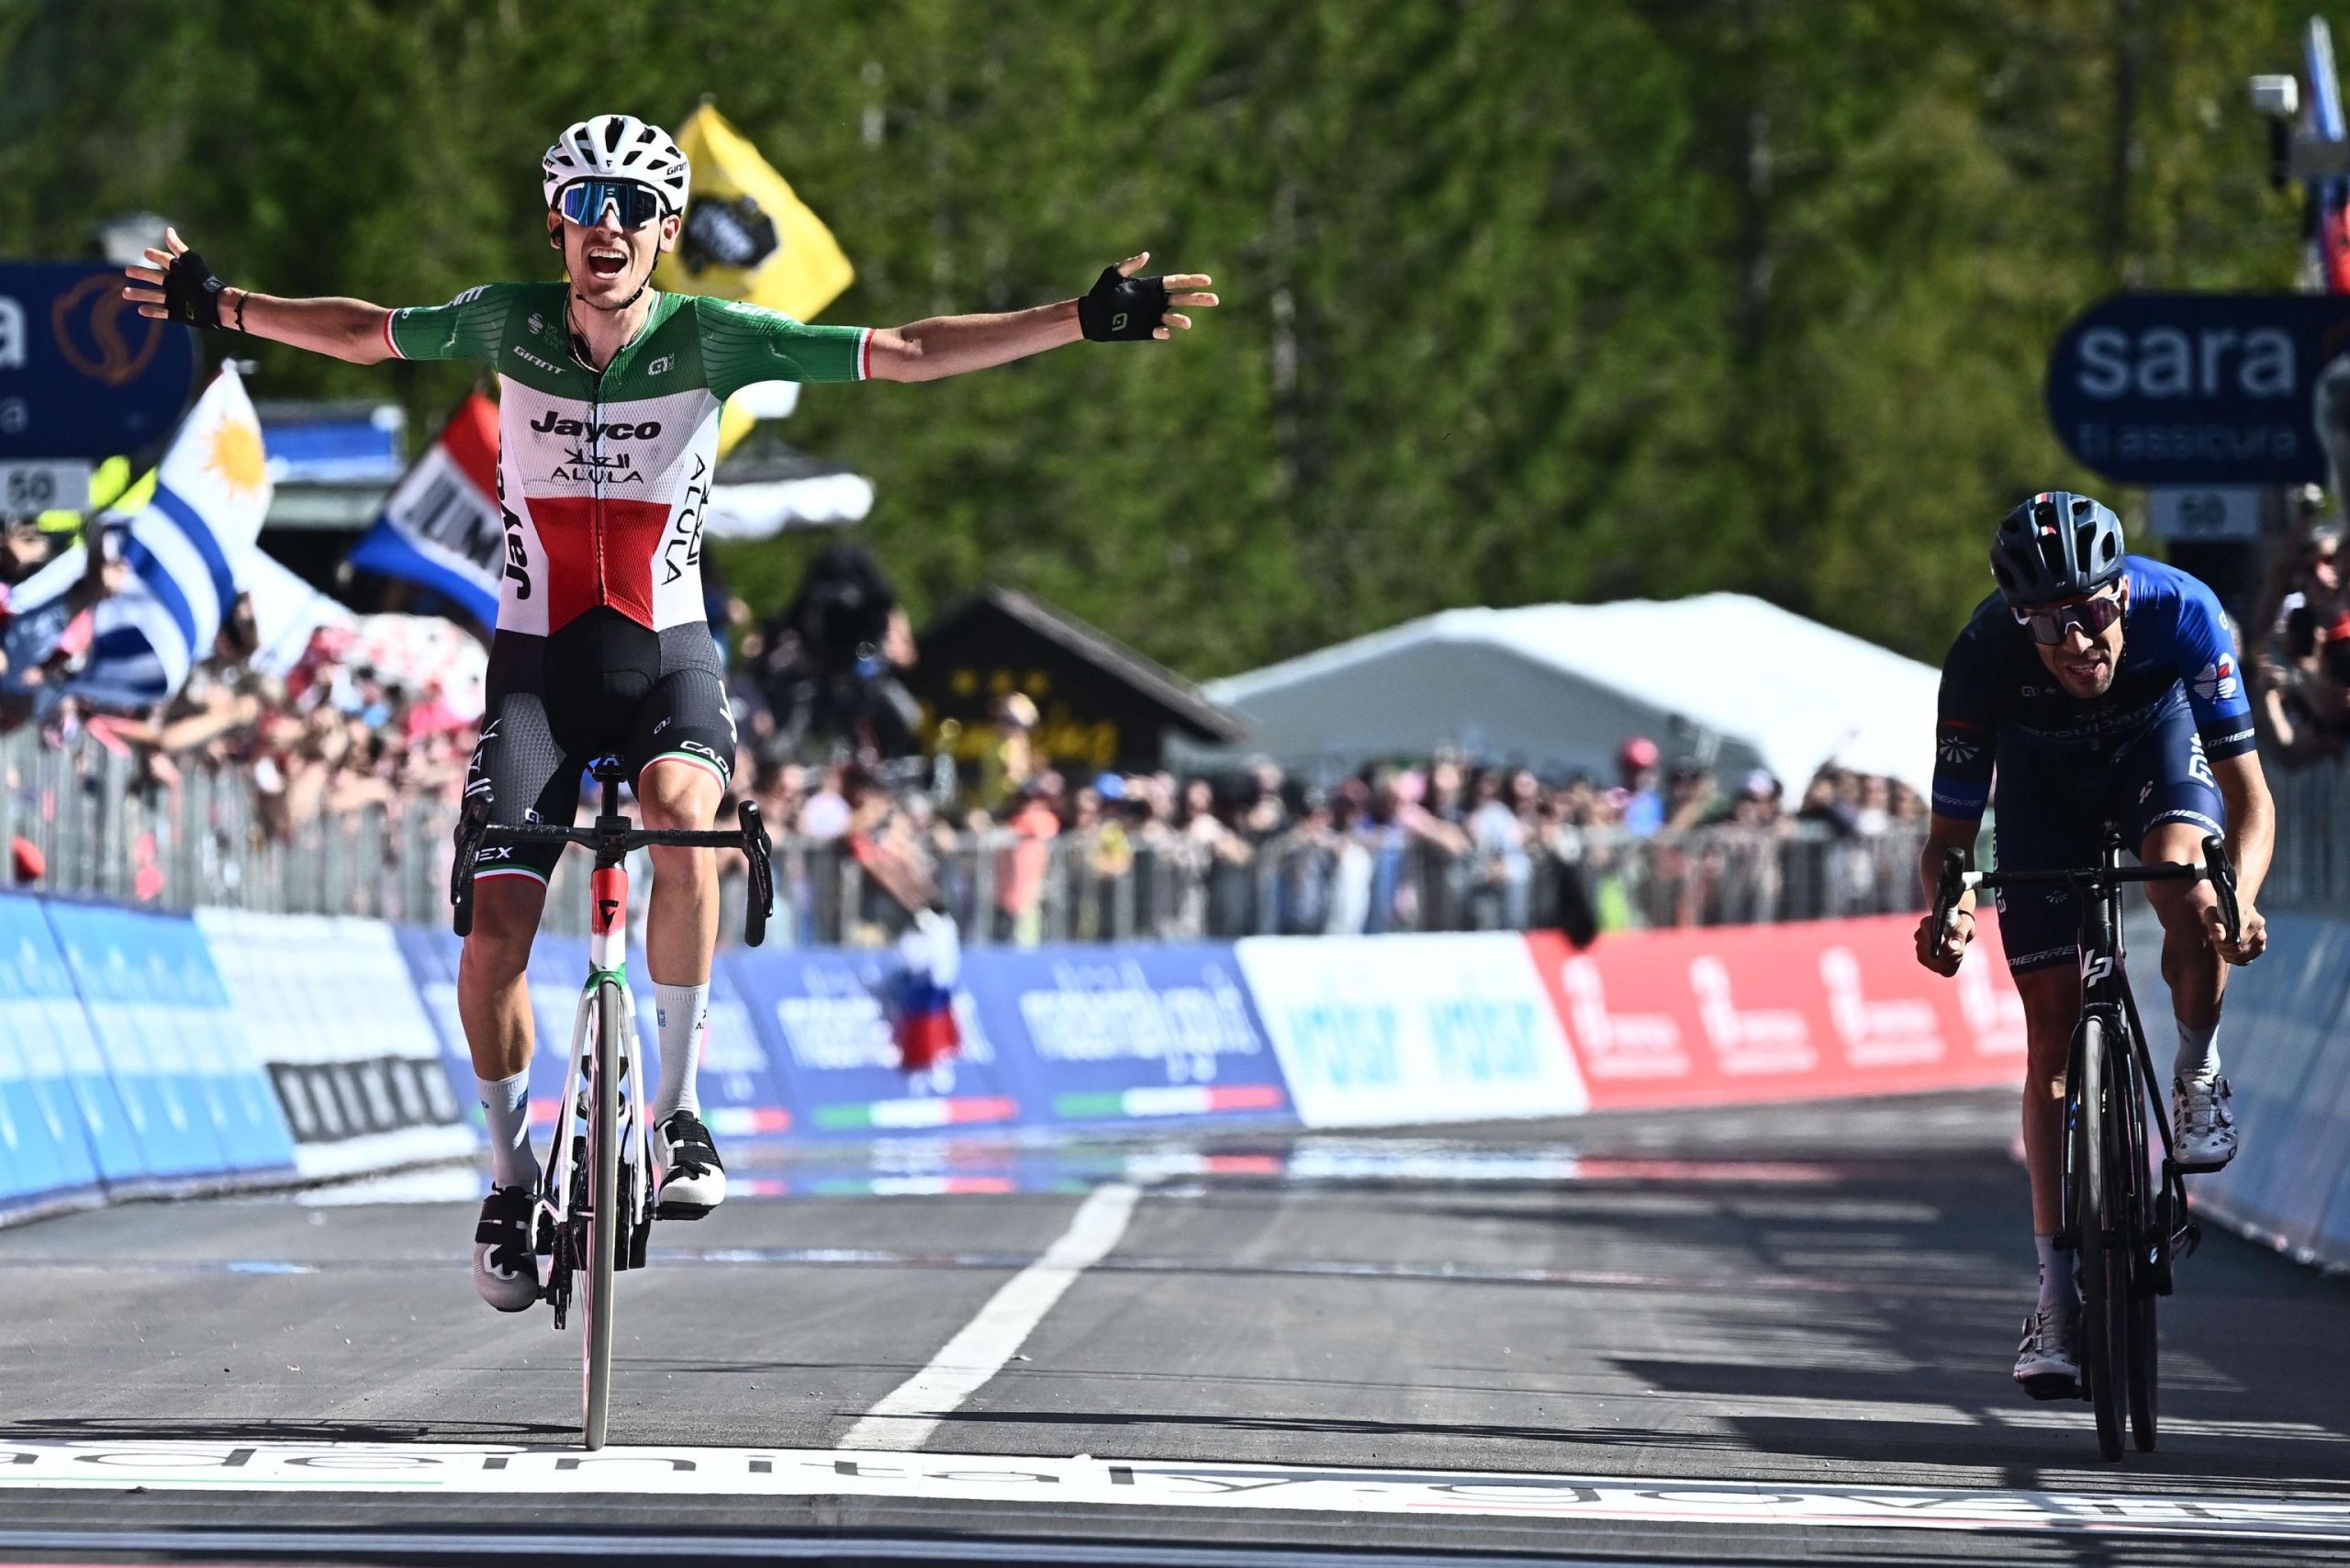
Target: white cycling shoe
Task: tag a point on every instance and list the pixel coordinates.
(691, 1181)
(2203, 1130)
(505, 1265)
(2048, 1364)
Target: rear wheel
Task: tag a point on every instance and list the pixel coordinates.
(604, 1208)
(2105, 1265)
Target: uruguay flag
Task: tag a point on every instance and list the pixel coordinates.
(187, 548)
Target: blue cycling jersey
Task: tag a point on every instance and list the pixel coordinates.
(2177, 649)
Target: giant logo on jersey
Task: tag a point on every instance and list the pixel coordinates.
(2216, 682)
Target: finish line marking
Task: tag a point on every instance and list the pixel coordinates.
(419, 1468)
(909, 1412)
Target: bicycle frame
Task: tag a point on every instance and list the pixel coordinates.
(2105, 992)
(607, 959)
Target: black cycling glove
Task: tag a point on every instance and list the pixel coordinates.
(1123, 309)
(191, 293)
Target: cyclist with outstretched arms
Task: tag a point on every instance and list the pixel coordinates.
(609, 399)
(2096, 686)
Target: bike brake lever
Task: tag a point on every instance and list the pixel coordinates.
(2221, 873)
(473, 821)
(1947, 889)
(760, 898)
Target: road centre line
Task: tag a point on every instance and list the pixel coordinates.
(909, 1414)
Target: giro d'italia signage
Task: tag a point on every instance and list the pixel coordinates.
(2196, 388)
(83, 374)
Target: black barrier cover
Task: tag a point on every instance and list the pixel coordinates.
(329, 1101)
(2195, 388)
(82, 372)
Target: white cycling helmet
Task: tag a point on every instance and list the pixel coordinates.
(617, 147)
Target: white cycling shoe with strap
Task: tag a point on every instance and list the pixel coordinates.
(2048, 1363)
(2203, 1130)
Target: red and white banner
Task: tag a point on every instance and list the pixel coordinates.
(1807, 1009)
(443, 527)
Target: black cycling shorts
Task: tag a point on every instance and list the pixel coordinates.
(601, 685)
(2052, 808)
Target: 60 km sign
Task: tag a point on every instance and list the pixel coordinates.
(2196, 388)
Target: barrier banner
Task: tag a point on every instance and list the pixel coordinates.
(70, 1132)
(1119, 1035)
(821, 1013)
(1392, 1030)
(197, 1102)
(327, 1006)
(1805, 1009)
(2282, 1045)
(741, 1095)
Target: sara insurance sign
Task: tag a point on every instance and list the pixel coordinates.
(2195, 388)
(82, 372)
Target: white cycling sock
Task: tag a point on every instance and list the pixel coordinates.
(2199, 1053)
(506, 1102)
(2056, 1286)
(683, 1012)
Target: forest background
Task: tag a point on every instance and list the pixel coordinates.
(1525, 300)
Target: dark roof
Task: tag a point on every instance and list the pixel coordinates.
(1151, 680)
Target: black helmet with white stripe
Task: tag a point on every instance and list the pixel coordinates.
(617, 147)
(2055, 546)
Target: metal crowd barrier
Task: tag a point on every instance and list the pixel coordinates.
(103, 828)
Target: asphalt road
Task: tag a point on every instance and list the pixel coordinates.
(1759, 1336)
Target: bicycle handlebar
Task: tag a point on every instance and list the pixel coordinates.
(1957, 881)
(475, 831)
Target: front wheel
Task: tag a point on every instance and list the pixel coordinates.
(604, 1210)
(2097, 1218)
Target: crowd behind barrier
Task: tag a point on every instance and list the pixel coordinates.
(85, 812)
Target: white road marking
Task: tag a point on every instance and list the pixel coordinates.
(415, 1469)
(907, 1416)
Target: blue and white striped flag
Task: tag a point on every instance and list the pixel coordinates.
(187, 548)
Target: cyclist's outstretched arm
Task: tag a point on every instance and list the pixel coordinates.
(1120, 307)
(2251, 842)
(349, 329)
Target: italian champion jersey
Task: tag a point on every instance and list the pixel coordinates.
(603, 479)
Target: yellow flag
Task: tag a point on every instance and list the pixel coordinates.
(748, 236)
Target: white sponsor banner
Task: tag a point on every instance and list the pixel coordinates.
(412, 1469)
(331, 1012)
(1376, 1031)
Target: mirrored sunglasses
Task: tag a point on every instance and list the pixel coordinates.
(585, 203)
(2049, 625)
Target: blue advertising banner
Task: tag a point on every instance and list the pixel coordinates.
(195, 1001)
(107, 950)
(43, 1024)
(82, 372)
(2196, 388)
(40, 1123)
(741, 1093)
(1120, 1034)
(821, 1014)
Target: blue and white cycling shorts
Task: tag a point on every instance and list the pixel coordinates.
(2053, 807)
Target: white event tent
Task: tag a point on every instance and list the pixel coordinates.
(1720, 676)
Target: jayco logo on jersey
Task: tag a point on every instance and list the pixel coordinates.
(2216, 681)
(552, 423)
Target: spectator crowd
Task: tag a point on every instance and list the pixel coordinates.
(1021, 851)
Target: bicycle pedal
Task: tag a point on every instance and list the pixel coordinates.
(2050, 1385)
(672, 1208)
